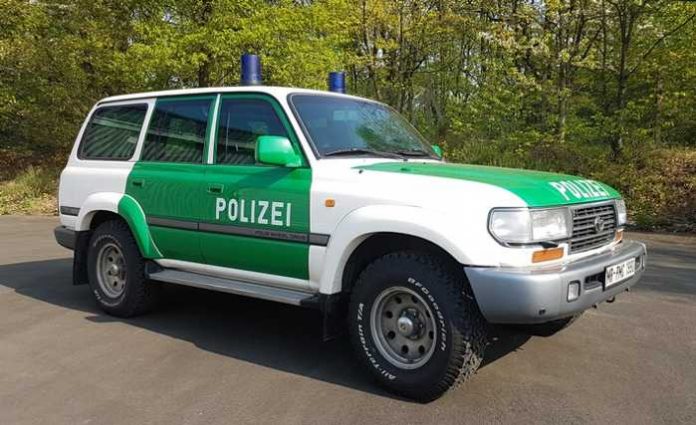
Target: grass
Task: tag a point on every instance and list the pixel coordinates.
(32, 191)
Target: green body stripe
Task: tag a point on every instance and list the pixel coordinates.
(536, 188)
(182, 191)
(260, 255)
(129, 209)
(289, 186)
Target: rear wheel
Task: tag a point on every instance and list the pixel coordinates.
(415, 325)
(116, 271)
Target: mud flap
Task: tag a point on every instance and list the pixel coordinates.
(80, 258)
(335, 311)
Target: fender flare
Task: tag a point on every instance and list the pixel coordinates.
(125, 206)
(361, 223)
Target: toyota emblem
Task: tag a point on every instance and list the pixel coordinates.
(598, 224)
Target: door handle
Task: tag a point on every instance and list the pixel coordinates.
(138, 183)
(216, 188)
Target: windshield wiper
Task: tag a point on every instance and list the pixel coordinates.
(414, 152)
(362, 151)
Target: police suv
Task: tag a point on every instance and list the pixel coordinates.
(335, 202)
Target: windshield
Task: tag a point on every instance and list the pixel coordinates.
(353, 127)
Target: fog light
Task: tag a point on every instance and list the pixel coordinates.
(573, 290)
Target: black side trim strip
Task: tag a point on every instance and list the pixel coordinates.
(228, 229)
(74, 211)
(171, 223)
(318, 239)
(258, 233)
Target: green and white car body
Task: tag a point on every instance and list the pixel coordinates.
(293, 229)
(334, 202)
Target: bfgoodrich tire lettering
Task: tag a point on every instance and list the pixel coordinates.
(131, 294)
(458, 327)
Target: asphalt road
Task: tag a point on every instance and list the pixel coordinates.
(210, 358)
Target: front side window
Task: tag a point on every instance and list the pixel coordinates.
(344, 126)
(112, 132)
(177, 131)
(240, 123)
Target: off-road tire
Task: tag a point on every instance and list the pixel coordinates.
(460, 327)
(139, 296)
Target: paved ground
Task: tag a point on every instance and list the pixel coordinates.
(213, 358)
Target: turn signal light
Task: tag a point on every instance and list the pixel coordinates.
(547, 255)
(619, 236)
(330, 203)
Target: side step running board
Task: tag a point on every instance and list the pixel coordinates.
(237, 287)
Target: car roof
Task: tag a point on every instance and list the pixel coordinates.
(275, 91)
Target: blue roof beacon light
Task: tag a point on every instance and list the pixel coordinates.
(251, 70)
(337, 82)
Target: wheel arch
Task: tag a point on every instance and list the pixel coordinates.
(360, 234)
(100, 207)
(379, 244)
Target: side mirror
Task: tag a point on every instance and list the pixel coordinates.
(277, 150)
(437, 150)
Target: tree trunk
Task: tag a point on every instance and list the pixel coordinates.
(204, 73)
(617, 140)
(626, 22)
(369, 50)
(659, 97)
(603, 90)
(562, 111)
(202, 19)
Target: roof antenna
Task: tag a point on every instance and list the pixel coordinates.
(251, 70)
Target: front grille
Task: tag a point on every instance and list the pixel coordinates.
(587, 234)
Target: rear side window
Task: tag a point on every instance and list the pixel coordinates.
(240, 123)
(177, 131)
(112, 132)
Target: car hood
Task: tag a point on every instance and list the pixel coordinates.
(536, 188)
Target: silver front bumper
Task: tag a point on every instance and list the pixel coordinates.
(537, 295)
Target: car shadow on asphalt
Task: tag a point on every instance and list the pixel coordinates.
(269, 334)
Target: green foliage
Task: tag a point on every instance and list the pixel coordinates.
(602, 88)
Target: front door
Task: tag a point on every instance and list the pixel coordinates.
(167, 181)
(255, 216)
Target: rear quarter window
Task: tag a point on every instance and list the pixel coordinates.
(112, 132)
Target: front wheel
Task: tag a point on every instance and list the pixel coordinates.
(116, 271)
(415, 325)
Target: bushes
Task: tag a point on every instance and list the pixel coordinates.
(661, 189)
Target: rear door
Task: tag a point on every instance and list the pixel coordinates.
(167, 181)
(255, 216)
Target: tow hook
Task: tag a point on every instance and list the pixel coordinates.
(611, 300)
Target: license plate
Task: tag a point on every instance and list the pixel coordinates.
(619, 272)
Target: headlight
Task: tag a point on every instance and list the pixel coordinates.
(621, 216)
(529, 225)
